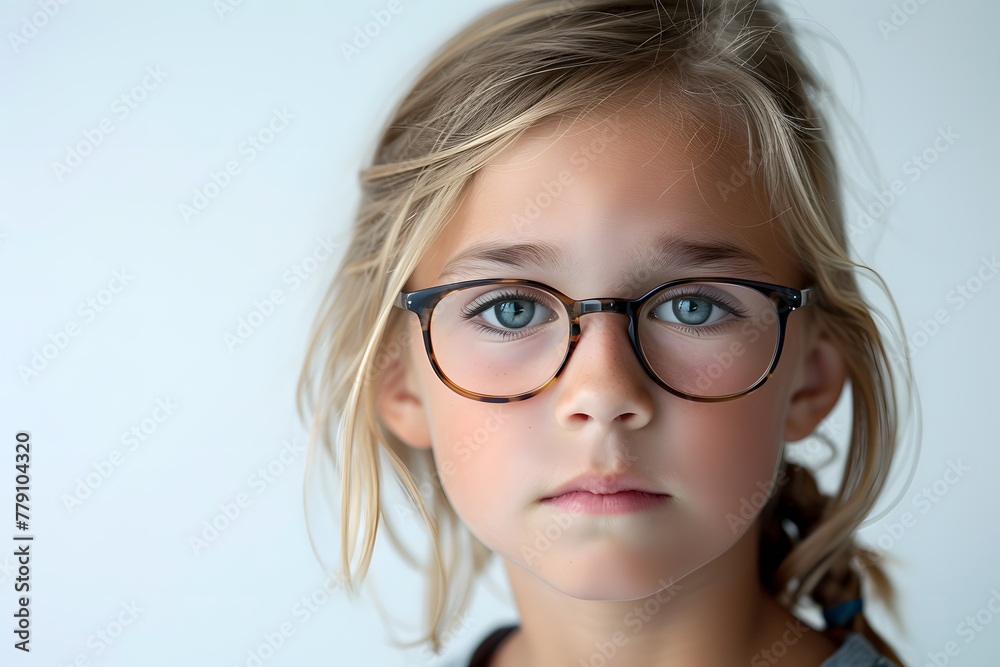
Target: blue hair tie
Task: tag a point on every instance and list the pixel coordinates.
(842, 614)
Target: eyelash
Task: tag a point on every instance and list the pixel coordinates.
(716, 300)
(698, 292)
(474, 308)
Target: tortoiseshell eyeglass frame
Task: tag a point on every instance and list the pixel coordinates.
(422, 302)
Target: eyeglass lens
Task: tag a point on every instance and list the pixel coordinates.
(704, 339)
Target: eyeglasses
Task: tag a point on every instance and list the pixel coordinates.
(703, 339)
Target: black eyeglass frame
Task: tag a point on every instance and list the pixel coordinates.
(422, 302)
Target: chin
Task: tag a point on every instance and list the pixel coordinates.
(611, 572)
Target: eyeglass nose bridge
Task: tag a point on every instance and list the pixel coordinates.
(625, 307)
(620, 306)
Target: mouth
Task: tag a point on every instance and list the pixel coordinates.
(620, 502)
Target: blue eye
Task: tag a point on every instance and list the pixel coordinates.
(689, 311)
(509, 311)
(698, 307)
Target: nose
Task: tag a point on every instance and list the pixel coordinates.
(603, 380)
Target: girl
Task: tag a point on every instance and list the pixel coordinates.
(598, 280)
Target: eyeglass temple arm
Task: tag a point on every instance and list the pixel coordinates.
(808, 296)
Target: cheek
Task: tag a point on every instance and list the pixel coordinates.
(467, 440)
(491, 467)
(729, 457)
(732, 470)
(474, 461)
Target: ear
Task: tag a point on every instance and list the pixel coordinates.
(817, 386)
(400, 406)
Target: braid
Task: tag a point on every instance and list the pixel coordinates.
(793, 513)
(788, 517)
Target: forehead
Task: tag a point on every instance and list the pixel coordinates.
(616, 198)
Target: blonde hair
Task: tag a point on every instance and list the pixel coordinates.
(536, 60)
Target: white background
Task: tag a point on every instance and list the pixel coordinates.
(161, 336)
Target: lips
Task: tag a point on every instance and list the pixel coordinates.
(607, 494)
(622, 502)
(605, 485)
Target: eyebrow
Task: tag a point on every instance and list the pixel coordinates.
(663, 253)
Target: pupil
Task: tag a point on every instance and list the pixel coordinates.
(692, 311)
(512, 315)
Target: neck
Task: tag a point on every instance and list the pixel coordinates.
(718, 615)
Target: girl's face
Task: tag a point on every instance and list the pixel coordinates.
(602, 192)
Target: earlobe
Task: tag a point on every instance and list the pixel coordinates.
(817, 386)
(400, 408)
